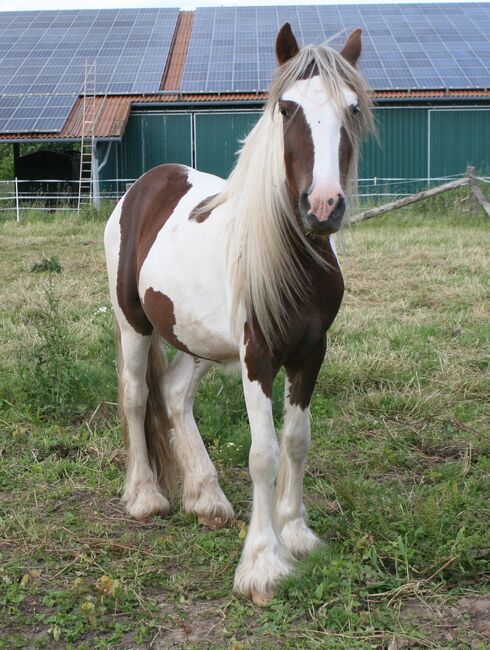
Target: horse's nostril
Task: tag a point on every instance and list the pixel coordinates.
(339, 208)
(304, 202)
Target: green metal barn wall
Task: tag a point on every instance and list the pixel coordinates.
(218, 138)
(459, 138)
(154, 138)
(413, 142)
(400, 150)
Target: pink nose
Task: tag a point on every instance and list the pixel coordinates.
(324, 199)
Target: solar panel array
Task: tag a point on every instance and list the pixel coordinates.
(408, 46)
(405, 46)
(43, 55)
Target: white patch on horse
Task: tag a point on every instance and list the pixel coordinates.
(325, 120)
(199, 292)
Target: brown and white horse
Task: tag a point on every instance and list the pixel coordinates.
(238, 270)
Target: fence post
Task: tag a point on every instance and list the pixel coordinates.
(17, 211)
(471, 173)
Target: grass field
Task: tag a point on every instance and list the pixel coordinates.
(397, 481)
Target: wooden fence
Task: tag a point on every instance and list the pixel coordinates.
(475, 194)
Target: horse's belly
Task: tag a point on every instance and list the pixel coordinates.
(189, 325)
(183, 288)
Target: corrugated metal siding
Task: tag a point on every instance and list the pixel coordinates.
(402, 148)
(459, 138)
(217, 137)
(155, 138)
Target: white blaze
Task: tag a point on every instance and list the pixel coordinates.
(325, 123)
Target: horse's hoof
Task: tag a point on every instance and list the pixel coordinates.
(262, 599)
(148, 504)
(213, 523)
(299, 539)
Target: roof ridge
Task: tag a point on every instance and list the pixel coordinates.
(174, 68)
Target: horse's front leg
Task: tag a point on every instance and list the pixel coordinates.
(291, 513)
(264, 559)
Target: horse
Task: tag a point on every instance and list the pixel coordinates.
(238, 273)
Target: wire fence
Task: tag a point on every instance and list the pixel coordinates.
(53, 195)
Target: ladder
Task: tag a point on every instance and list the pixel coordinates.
(87, 142)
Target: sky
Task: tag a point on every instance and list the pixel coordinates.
(16, 5)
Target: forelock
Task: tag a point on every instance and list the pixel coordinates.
(336, 76)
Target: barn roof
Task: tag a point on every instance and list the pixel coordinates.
(221, 54)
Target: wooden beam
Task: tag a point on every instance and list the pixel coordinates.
(471, 173)
(479, 196)
(408, 200)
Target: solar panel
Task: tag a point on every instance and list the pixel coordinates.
(35, 113)
(45, 52)
(405, 46)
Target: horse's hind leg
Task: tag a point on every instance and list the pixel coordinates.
(202, 494)
(142, 495)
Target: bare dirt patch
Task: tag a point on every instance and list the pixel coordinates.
(462, 624)
(202, 624)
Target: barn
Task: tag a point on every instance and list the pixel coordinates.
(128, 89)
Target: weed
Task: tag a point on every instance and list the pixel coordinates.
(55, 382)
(47, 265)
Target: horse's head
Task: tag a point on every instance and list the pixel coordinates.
(321, 98)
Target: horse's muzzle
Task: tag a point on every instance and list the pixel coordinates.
(326, 226)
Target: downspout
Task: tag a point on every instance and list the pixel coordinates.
(96, 170)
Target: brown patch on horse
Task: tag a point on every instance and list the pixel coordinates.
(160, 310)
(345, 154)
(145, 210)
(297, 137)
(304, 361)
(302, 377)
(303, 350)
(258, 360)
(311, 71)
(198, 214)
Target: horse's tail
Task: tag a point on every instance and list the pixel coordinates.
(157, 425)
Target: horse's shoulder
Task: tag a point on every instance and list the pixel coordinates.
(163, 178)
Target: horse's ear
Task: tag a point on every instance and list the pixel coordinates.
(352, 47)
(286, 44)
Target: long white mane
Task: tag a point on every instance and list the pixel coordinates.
(267, 242)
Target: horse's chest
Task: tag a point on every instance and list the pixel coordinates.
(309, 326)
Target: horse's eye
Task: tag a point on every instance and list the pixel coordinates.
(284, 111)
(355, 109)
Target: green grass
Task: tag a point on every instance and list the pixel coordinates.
(396, 483)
